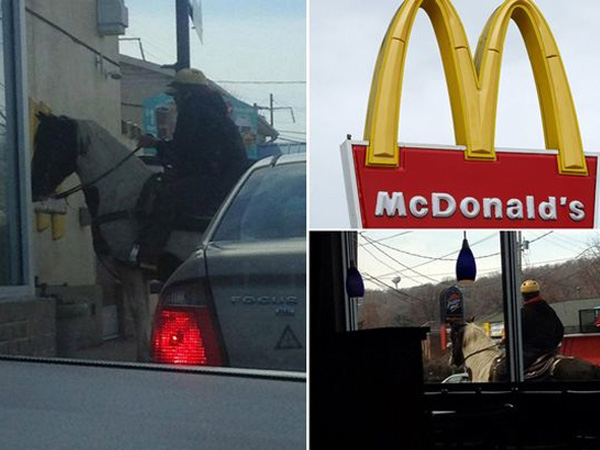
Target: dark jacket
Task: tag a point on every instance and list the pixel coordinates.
(207, 152)
(542, 329)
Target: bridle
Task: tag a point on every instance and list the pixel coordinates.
(83, 186)
(458, 344)
(108, 217)
(481, 350)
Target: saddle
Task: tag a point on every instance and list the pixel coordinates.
(541, 368)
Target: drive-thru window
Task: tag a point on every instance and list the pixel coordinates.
(415, 278)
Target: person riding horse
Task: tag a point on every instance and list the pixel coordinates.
(542, 329)
(202, 162)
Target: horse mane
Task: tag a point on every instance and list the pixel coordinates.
(476, 343)
(473, 335)
(100, 150)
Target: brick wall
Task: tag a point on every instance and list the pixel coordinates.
(28, 327)
(78, 317)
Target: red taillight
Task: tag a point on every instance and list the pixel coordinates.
(185, 335)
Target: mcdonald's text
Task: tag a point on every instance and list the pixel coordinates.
(443, 205)
(437, 188)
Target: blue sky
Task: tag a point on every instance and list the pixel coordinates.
(243, 40)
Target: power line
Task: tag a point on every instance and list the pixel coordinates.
(541, 237)
(572, 242)
(562, 245)
(391, 267)
(410, 253)
(441, 258)
(260, 82)
(431, 259)
(403, 265)
(386, 237)
(380, 283)
(392, 289)
(295, 132)
(290, 140)
(74, 38)
(499, 268)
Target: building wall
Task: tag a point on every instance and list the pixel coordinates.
(68, 72)
(140, 81)
(28, 327)
(569, 312)
(70, 79)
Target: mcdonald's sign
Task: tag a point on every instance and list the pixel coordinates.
(472, 184)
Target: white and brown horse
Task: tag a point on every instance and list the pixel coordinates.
(474, 349)
(111, 180)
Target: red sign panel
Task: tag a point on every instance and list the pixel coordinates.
(438, 188)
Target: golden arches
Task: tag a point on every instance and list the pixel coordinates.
(473, 83)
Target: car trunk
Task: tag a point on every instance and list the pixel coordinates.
(260, 300)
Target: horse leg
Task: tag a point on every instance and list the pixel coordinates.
(137, 294)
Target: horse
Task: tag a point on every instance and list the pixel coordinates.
(111, 181)
(475, 350)
(480, 350)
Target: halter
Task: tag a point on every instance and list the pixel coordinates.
(481, 350)
(103, 175)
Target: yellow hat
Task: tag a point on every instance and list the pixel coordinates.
(529, 286)
(190, 77)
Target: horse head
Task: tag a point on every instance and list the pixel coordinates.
(56, 147)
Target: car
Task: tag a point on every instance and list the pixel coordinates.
(240, 299)
(458, 378)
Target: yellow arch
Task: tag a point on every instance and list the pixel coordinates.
(473, 84)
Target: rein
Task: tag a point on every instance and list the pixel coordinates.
(485, 349)
(83, 186)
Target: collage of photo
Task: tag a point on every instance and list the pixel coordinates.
(299, 223)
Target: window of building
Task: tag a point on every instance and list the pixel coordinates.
(411, 279)
(12, 220)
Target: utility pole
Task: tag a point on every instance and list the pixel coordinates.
(182, 23)
(139, 41)
(271, 108)
(519, 255)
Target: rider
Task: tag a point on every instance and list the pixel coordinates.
(542, 329)
(202, 162)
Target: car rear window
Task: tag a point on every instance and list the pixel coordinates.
(270, 205)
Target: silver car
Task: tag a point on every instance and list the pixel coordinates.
(240, 299)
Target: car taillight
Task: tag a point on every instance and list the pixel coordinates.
(185, 335)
